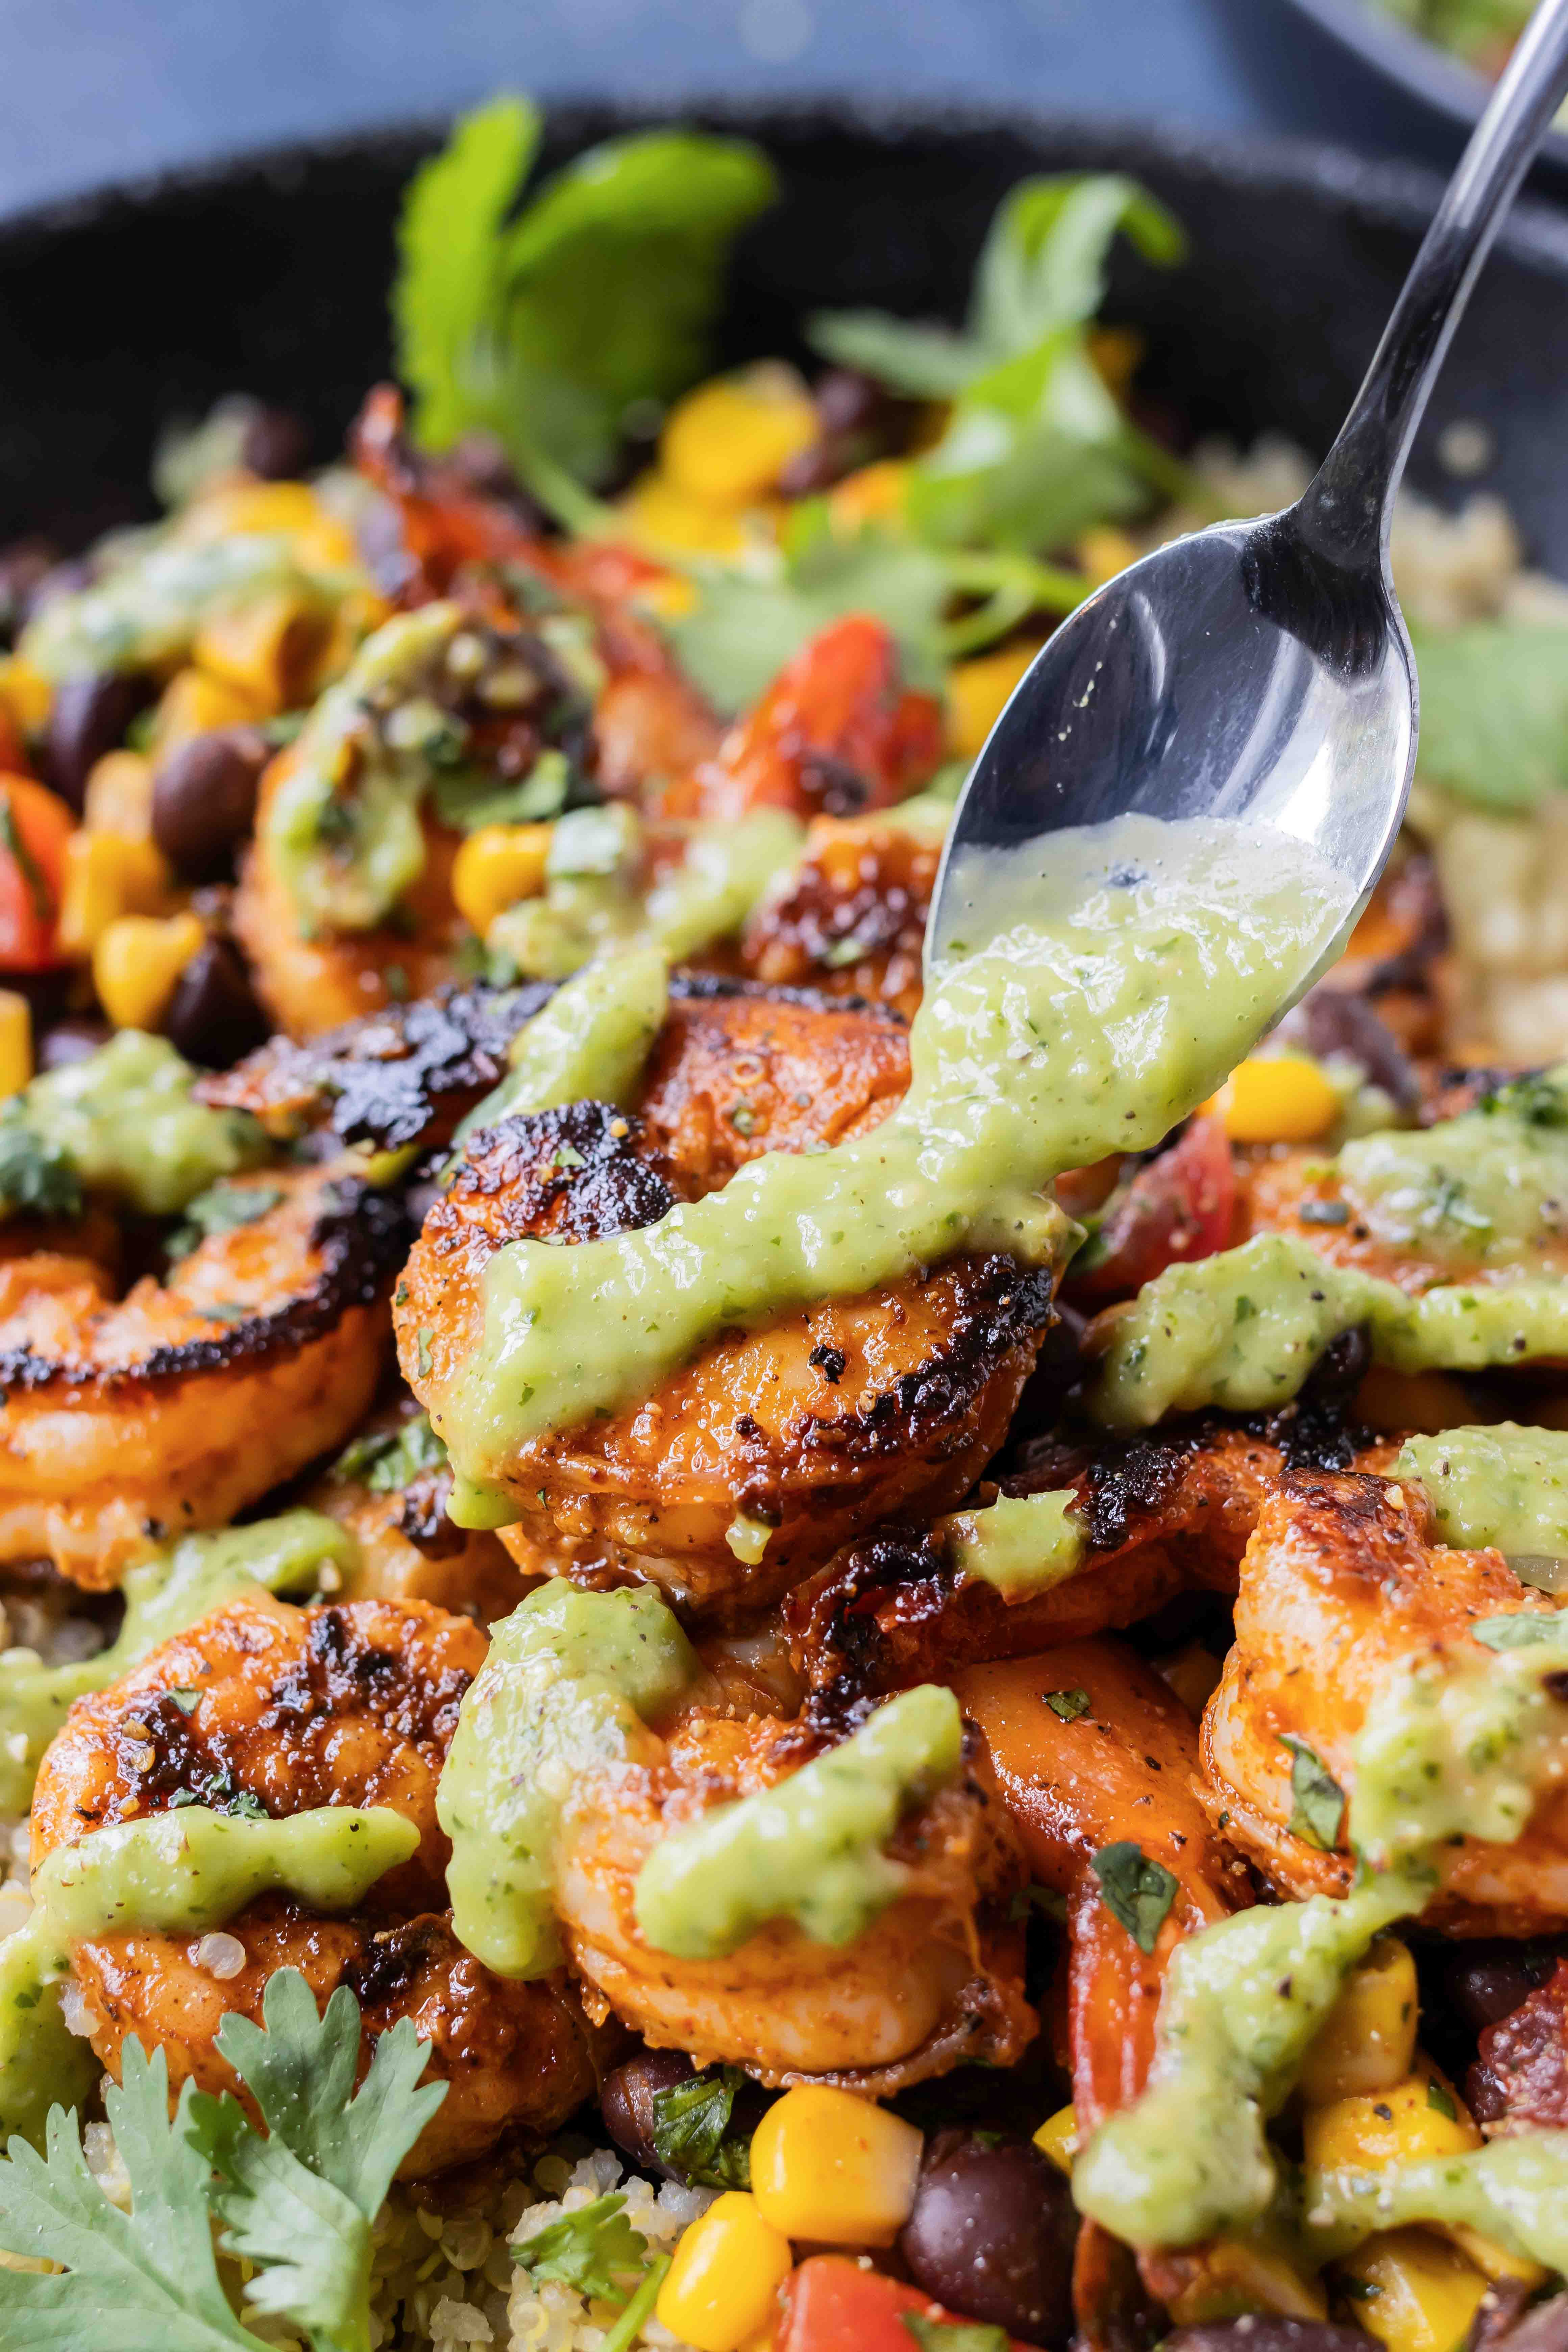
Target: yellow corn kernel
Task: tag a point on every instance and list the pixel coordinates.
(874, 493)
(976, 691)
(1495, 2261)
(1421, 2116)
(264, 652)
(1367, 2043)
(1231, 2276)
(120, 796)
(1058, 2138)
(662, 516)
(15, 1042)
(235, 507)
(495, 867)
(1103, 552)
(25, 694)
(722, 2285)
(1413, 2290)
(106, 874)
(138, 961)
(828, 2166)
(1116, 352)
(1276, 1098)
(727, 442)
(193, 703)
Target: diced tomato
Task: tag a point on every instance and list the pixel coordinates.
(836, 733)
(34, 826)
(831, 2304)
(1178, 1207)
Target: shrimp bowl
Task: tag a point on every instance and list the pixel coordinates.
(712, 1640)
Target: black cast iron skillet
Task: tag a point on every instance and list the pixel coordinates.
(269, 274)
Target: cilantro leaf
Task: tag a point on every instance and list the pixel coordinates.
(546, 328)
(1035, 448)
(301, 2202)
(144, 2281)
(690, 2120)
(1067, 1705)
(746, 624)
(388, 1459)
(1042, 266)
(1134, 1890)
(591, 2249)
(36, 1174)
(1318, 1809)
(1494, 710)
(223, 1208)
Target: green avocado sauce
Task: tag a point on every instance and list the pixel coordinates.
(1502, 1485)
(146, 610)
(1109, 994)
(176, 1874)
(568, 1689)
(1460, 1744)
(1242, 1329)
(808, 1850)
(343, 827)
(1021, 1544)
(163, 1596)
(587, 1044)
(122, 1122)
(1486, 1188)
(592, 901)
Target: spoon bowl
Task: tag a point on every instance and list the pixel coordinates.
(1236, 673)
(1260, 673)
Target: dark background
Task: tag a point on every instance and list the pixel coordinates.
(93, 90)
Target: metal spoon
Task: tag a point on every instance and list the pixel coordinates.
(1262, 671)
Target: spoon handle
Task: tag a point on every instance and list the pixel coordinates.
(1346, 513)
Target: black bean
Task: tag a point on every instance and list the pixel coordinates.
(203, 798)
(1485, 1982)
(24, 566)
(90, 716)
(71, 1041)
(992, 2234)
(214, 1017)
(625, 2102)
(1265, 2332)
(1506, 2317)
(1336, 1021)
(275, 444)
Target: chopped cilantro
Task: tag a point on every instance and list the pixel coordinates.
(594, 2249)
(26, 864)
(1439, 2099)
(954, 2335)
(389, 1460)
(690, 2121)
(35, 1174)
(1134, 1889)
(1068, 1705)
(1318, 1802)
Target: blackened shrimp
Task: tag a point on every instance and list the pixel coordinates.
(1342, 1585)
(934, 1982)
(851, 917)
(125, 1421)
(264, 1704)
(390, 1487)
(814, 1427)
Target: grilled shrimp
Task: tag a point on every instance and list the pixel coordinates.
(1161, 1515)
(125, 1421)
(935, 1982)
(824, 1421)
(834, 734)
(340, 1704)
(1117, 1761)
(390, 1489)
(851, 917)
(1341, 1585)
(311, 982)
